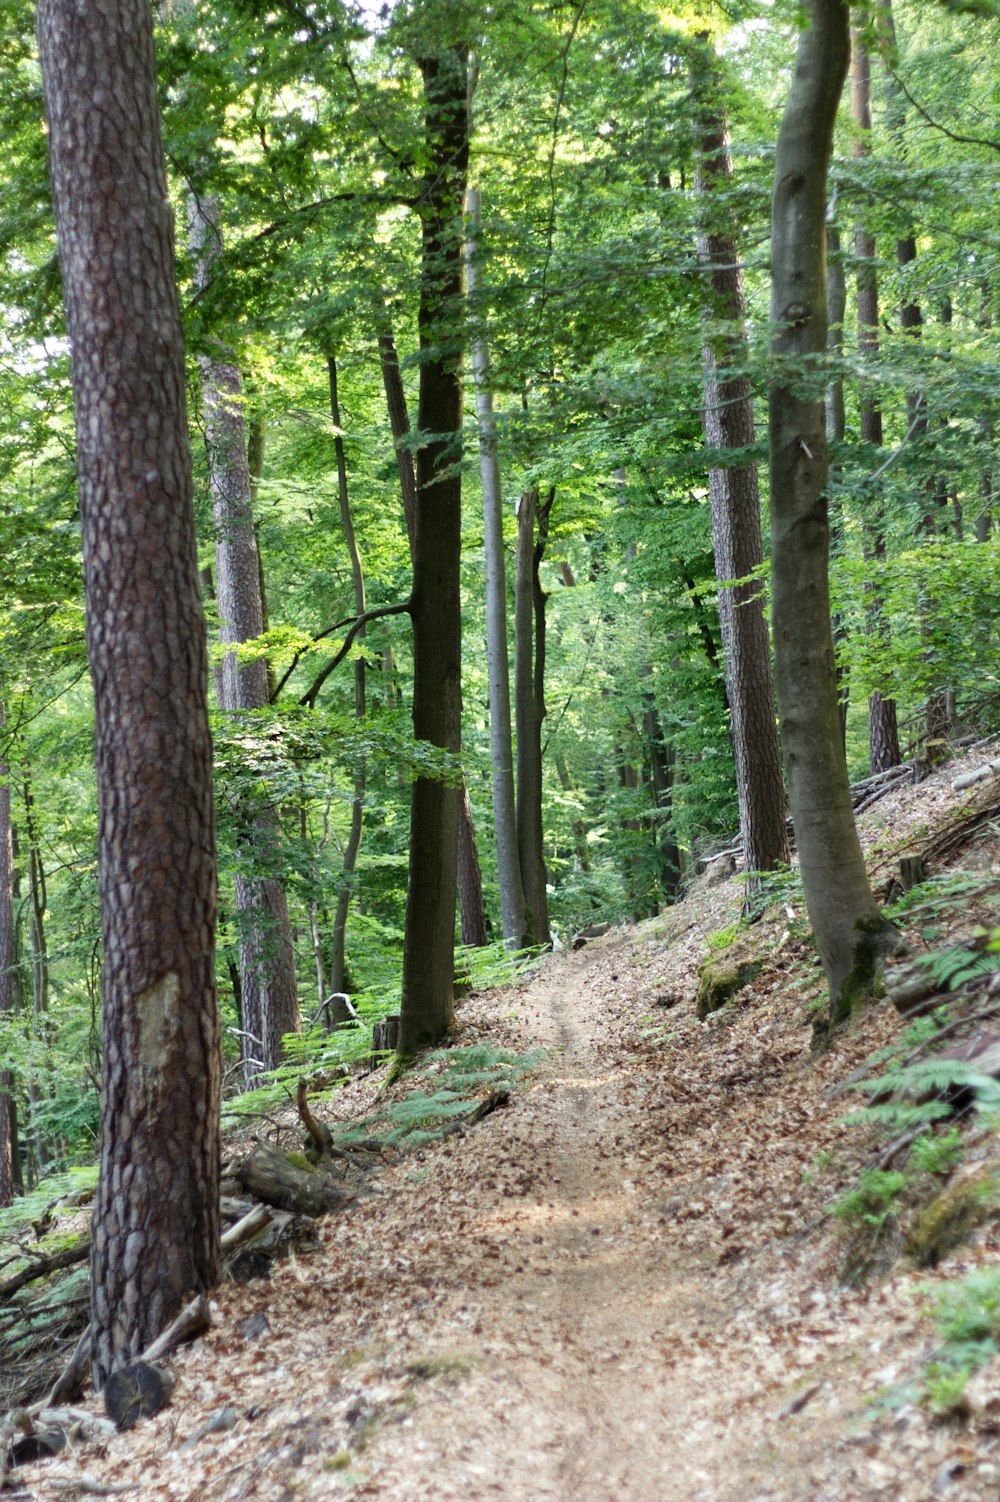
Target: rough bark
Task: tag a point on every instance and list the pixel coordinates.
(498, 665)
(156, 1217)
(268, 989)
(428, 1004)
(883, 734)
(529, 709)
(850, 931)
(734, 494)
(339, 940)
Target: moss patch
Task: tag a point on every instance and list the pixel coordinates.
(952, 1215)
(720, 979)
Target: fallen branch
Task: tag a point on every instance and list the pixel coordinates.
(194, 1319)
(45, 1265)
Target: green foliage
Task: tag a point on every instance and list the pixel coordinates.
(872, 1199)
(937, 1154)
(449, 1083)
(19, 1217)
(967, 1314)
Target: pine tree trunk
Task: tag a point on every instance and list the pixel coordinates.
(268, 987)
(338, 947)
(428, 1002)
(155, 1236)
(735, 497)
(850, 932)
(498, 666)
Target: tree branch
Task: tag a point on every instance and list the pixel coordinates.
(952, 135)
(359, 622)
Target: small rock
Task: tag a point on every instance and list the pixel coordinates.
(254, 1327)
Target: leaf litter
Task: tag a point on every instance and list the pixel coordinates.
(621, 1287)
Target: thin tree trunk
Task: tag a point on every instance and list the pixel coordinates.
(399, 424)
(735, 498)
(836, 427)
(529, 708)
(7, 962)
(270, 1004)
(579, 827)
(661, 775)
(498, 666)
(38, 946)
(883, 734)
(851, 934)
(155, 1230)
(427, 1008)
(337, 955)
(470, 903)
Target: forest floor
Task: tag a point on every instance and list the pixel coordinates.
(621, 1287)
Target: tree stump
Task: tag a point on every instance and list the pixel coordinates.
(385, 1035)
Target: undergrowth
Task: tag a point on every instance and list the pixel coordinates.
(448, 1082)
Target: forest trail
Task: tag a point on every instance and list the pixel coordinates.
(621, 1287)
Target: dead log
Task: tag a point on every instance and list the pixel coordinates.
(270, 1176)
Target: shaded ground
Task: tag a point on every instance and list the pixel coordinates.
(613, 1290)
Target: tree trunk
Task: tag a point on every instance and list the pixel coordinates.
(470, 886)
(661, 758)
(270, 1004)
(338, 949)
(498, 666)
(470, 903)
(883, 735)
(38, 1025)
(735, 497)
(428, 1003)
(7, 960)
(156, 1216)
(836, 427)
(529, 710)
(850, 932)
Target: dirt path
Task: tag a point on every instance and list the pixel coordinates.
(619, 1288)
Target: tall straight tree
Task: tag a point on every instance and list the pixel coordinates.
(338, 958)
(269, 1000)
(734, 491)
(155, 1237)
(7, 958)
(529, 706)
(851, 934)
(497, 659)
(428, 998)
(470, 882)
(883, 734)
